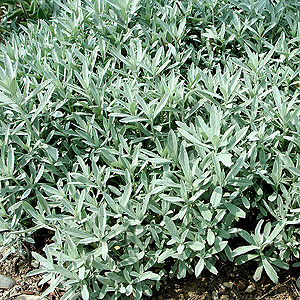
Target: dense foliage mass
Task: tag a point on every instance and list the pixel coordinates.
(137, 132)
(16, 12)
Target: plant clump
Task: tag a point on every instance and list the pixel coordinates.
(151, 138)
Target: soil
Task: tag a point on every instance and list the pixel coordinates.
(231, 283)
(17, 268)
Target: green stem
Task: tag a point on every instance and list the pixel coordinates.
(24, 10)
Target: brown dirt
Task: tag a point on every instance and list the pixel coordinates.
(17, 267)
(210, 287)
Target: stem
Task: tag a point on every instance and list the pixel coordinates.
(24, 10)
(180, 8)
(164, 45)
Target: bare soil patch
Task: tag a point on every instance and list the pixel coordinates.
(231, 283)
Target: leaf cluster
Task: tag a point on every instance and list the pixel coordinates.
(17, 12)
(148, 137)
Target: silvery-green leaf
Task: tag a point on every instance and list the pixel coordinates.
(216, 197)
(171, 227)
(210, 237)
(199, 267)
(269, 270)
(197, 246)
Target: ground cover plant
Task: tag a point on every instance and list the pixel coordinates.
(139, 132)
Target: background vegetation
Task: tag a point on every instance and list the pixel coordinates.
(142, 132)
(14, 13)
